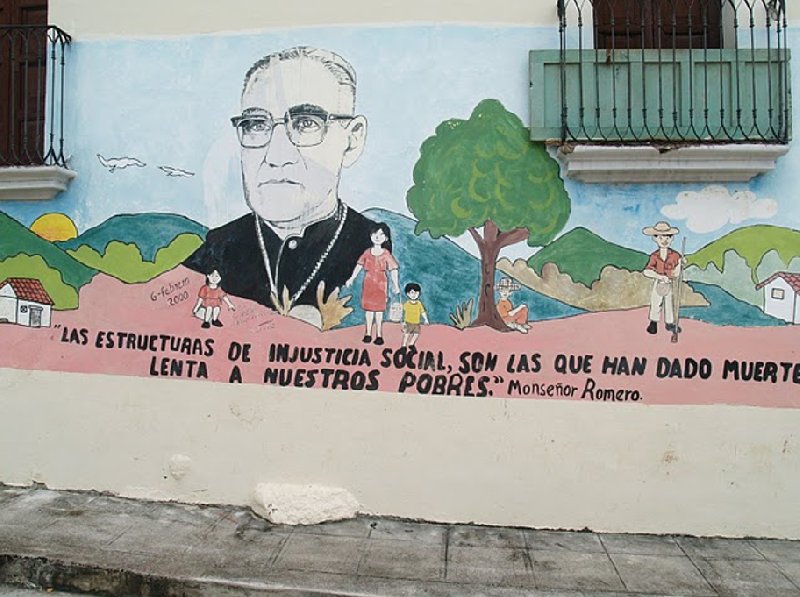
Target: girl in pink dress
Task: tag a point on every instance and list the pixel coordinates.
(377, 263)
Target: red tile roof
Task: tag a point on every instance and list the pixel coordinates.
(792, 280)
(28, 289)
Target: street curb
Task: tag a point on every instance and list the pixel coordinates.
(59, 575)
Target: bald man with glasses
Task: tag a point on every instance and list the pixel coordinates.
(297, 130)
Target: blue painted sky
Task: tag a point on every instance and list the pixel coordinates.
(168, 102)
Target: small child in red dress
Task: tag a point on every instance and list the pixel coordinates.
(209, 301)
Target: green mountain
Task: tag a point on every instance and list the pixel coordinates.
(751, 243)
(148, 231)
(16, 239)
(583, 255)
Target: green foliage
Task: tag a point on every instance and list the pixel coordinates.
(751, 243)
(34, 266)
(124, 260)
(487, 168)
(582, 255)
(16, 239)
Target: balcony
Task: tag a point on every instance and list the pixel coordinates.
(665, 90)
(33, 164)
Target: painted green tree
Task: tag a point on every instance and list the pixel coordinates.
(485, 176)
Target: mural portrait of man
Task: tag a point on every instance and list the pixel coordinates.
(297, 130)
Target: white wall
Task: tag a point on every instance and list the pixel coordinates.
(25, 318)
(703, 470)
(8, 308)
(796, 310)
(100, 18)
(781, 308)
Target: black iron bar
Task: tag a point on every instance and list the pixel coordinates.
(562, 23)
(12, 124)
(754, 128)
(41, 60)
(646, 129)
(787, 88)
(597, 62)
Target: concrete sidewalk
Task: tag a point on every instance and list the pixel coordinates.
(75, 541)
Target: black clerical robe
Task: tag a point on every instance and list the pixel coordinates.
(235, 252)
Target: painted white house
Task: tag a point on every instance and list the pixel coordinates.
(781, 298)
(24, 301)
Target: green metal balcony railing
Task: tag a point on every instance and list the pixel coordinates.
(664, 72)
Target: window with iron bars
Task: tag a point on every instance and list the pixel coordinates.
(32, 68)
(664, 72)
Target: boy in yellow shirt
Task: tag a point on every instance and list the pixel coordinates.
(413, 313)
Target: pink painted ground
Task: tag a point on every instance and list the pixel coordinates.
(159, 311)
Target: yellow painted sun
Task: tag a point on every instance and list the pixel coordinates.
(54, 227)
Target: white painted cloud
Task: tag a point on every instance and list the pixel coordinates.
(714, 207)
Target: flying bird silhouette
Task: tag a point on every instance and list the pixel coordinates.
(170, 171)
(119, 163)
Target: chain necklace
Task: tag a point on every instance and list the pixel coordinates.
(341, 216)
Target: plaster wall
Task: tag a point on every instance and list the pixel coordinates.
(702, 470)
(706, 470)
(94, 18)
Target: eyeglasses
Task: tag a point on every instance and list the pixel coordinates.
(303, 128)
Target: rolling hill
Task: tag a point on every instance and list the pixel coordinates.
(16, 239)
(751, 243)
(726, 309)
(148, 231)
(582, 255)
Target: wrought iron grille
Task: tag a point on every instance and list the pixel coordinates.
(674, 71)
(32, 70)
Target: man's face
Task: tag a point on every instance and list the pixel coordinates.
(664, 240)
(283, 183)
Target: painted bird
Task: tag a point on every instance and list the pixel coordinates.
(170, 171)
(119, 163)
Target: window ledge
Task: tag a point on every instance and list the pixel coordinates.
(33, 183)
(643, 164)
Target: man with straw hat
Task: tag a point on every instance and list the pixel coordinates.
(663, 266)
(514, 317)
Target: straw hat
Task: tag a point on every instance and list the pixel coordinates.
(660, 228)
(508, 284)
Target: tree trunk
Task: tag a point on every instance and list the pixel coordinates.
(487, 311)
(489, 246)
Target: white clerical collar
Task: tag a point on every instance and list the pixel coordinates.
(283, 230)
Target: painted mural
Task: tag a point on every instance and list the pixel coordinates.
(290, 222)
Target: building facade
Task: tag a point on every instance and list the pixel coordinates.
(468, 262)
